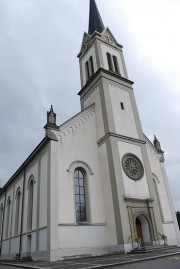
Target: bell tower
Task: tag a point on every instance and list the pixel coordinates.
(99, 49)
(104, 78)
(126, 170)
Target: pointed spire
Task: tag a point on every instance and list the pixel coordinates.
(157, 145)
(95, 21)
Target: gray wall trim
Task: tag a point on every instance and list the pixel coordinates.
(103, 73)
(81, 75)
(123, 64)
(156, 211)
(49, 199)
(117, 214)
(106, 108)
(98, 53)
(136, 115)
(157, 196)
(119, 137)
(3, 221)
(22, 214)
(38, 204)
(138, 201)
(82, 224)
(12, 211)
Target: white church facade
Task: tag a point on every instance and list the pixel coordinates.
(95, 183)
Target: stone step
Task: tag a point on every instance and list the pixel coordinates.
(146, 249)
(26, 259)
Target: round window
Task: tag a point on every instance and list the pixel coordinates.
(132, 166)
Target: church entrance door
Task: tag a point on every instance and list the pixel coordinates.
(139, 230)
(142, 229)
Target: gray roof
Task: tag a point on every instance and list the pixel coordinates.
(95, 21)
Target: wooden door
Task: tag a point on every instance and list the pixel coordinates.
(139, 230)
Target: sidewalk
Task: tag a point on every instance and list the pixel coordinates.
(95, 262)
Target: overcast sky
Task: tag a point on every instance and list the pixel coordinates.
(39, 41)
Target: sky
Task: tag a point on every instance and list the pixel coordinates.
(39, 43)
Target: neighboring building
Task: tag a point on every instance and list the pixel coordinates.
(95, 183)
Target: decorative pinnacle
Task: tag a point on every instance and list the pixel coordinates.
(157, 145)
(51, 119)
(95, 21)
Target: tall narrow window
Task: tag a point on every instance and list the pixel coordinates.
(91, 66)
(109, 58)
(1, 217)
(116, 66)
(16, 227)
(87, 70)
(122, 105)
(8, 217)
(158, 199)
(80, 202)
(30, 205)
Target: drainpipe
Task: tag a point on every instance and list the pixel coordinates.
(2, 230)
(22, 215)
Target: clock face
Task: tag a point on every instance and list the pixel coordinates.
(132, 166)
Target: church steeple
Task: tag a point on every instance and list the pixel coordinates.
(95, 20)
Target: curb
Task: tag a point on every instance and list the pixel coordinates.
(97, 266)
(23, 266)
(131, 261)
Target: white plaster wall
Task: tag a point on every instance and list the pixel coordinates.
(15, 245)
(25, 244)
(83, 236)
(80, 145)
(169, 231)
(156, 170)
(107, 48)
(94, 97)
(138, 188)
(124, 119)
(43, 240)
(5, 247)
(31, 170)
(91, 52)
(43, 190)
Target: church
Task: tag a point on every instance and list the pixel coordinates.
(95, 184)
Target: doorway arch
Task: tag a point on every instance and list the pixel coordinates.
(142, 229)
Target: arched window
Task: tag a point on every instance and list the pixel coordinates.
(8, 217)
(116, 67)
(1, 217)
(30, 204)
(109, 59)
(87, 70)
(16, 226)
(80, 198)
(91, 66)
(155, 180)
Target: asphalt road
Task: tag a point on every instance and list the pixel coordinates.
(9, 267)
(171, 262)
